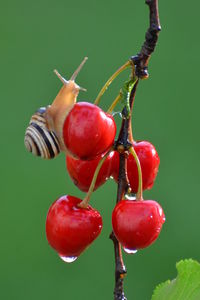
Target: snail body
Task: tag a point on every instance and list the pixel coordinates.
(43, 136)
(57, 112)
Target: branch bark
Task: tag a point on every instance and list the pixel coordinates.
(123, 142)
(122, 146)
(141, 60)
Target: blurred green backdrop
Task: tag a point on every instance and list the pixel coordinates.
(38, 36)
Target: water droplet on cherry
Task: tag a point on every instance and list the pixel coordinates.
(67, 259)
(130, 196)
(130, 251)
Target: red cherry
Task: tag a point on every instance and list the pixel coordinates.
(70, 229)
(149, 161)
(137, 224)
(82, 171)
(88, 131)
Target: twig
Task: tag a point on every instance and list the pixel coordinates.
(122, 145)
(140, 62)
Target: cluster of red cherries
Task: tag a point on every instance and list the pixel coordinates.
(72, 224)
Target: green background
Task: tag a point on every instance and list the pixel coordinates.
(38, 36)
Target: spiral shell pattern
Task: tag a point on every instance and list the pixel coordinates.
(38, 139)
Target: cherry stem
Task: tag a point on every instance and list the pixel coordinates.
(139, 195)
(84, 203)
(115, 102)
(131, 139)
(118, 98)
(110, 80)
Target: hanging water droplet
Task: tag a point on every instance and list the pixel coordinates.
(130, 196)
(69, 259)
(130, 251)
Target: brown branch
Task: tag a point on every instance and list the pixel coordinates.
(141, 60)
(120, 270)
(122, 146)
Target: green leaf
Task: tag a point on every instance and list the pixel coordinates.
(185, 287)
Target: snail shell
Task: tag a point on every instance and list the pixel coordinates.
(38, 139)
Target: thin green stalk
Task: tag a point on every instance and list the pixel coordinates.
(139, 195)
(110, 80)
(115, 102)
(86, 200)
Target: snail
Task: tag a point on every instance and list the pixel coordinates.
(43, 136)
(38, 139)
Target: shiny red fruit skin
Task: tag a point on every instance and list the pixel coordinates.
(70, 229)
(88, 131)
(149, 161)
(137, 224)
(82, 171)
